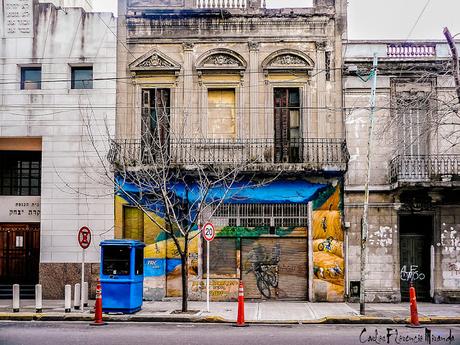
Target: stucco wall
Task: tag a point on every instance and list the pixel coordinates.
(74, 192)
(390, 200)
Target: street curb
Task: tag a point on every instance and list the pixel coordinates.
(217, 319)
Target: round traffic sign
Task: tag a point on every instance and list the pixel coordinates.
(208, 232)
(84, 237)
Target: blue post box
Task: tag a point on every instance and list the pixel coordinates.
(122, 275)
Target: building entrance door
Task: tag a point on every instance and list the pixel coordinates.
(415, 255)
(19, 253)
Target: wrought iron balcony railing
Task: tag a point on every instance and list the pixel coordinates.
(314, 154)
(229, 4)
(426, 168)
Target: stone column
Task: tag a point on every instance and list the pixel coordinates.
(187, 116)
(322, 113)
(254, 110)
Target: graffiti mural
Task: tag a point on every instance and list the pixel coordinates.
(265, 268)
(328, 256)
(271, 260)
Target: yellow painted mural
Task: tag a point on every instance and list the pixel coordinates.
(328, 256)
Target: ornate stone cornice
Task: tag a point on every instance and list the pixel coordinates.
(287, 59)
(221, 59)
(154, 60)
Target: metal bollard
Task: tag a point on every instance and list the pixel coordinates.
(38, 298)
(67, 298)
(85, 294)
(15, 298)
(76, 296)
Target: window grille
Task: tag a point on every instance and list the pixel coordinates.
(20, 173)
(255, 215)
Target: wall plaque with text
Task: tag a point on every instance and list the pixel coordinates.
(18, 18)
(20, 209)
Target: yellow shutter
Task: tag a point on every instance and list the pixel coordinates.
(133, 223)
(221, 113)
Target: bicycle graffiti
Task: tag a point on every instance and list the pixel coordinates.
(265, 268)
(412, 275)
(326, 244)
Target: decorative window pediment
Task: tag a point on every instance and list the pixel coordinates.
(288, 60)
(154, 60)
(221, 59)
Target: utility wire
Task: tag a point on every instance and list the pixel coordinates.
(7, 82)
(418, 19)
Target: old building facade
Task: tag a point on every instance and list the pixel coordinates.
(57, 103)
(414, 183)
(241, 83)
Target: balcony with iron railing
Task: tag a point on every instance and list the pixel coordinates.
(230, 4)
(318, 154)
(422, 169)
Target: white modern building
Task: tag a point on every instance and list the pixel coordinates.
(57, 109)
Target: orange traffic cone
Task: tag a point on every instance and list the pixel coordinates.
(98, 307)
(413, 307)
(240, 319)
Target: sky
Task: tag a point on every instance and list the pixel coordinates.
(379, 19)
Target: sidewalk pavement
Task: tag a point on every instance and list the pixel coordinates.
(265, 312)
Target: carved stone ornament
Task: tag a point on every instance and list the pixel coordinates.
(253, 46)
(155, 61)
(288, 60)
(188, 45)
(221, 60)
(321, 45)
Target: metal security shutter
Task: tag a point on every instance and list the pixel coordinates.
(222, 256)
(274, 268)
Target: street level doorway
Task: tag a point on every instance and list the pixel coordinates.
(19, 253)
(415, 254)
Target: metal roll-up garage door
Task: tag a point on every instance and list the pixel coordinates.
(274, 268)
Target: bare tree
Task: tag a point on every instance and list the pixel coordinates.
(183, 180)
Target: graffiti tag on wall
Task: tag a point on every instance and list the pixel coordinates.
(412, 275)
(455, 267)
(450, 240)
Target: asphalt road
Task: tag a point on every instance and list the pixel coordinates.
(69, 333)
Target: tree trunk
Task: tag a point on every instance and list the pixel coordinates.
(184, 272)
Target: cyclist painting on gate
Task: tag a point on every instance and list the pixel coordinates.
(265, 267)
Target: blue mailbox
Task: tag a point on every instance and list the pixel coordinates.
(122, 275)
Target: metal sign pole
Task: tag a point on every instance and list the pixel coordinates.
(82, 278)
(207, 275)
(84, 239)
